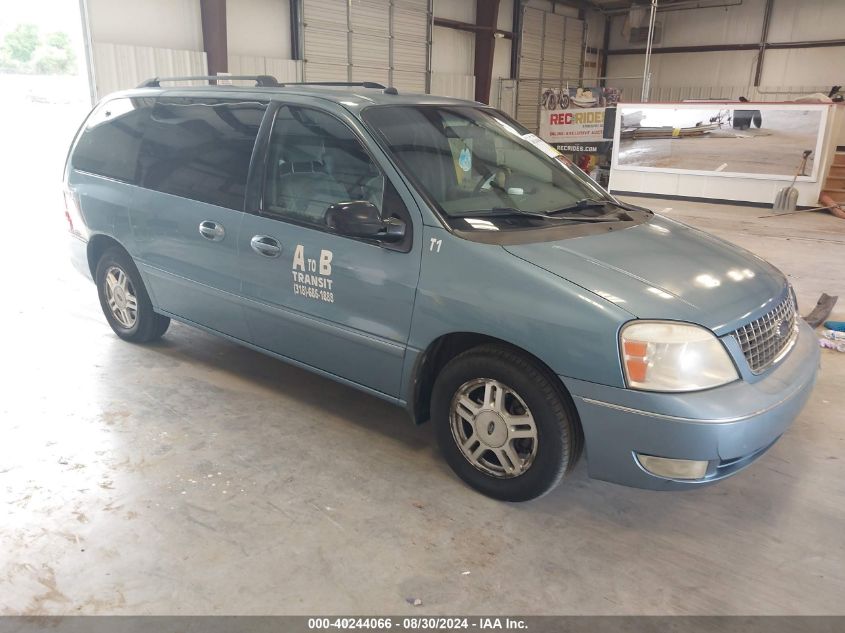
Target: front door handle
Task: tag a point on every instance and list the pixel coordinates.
(265, 245)
(212, 231)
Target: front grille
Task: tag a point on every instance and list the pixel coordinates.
(763, 341)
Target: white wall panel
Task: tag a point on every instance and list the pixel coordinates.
(259, 27)
(281, 69)
(786, 73)
(806, 66)
(794, 21)
(736, 24)
(452, 85)
(122, 66)
(505, 21)
(453, 51)
(171, 24)
(460, 10)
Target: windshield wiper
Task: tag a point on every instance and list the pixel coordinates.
(590, 203)
(501, 212)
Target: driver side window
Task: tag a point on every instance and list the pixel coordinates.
(315, 161)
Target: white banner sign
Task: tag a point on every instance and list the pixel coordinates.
(577, 124)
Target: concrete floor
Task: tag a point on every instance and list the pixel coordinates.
(196, 477)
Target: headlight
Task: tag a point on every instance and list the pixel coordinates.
(665, 356)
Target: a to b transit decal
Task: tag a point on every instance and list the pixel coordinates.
(312, 278)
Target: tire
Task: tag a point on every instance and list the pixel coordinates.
(465, 410)
(125, 301)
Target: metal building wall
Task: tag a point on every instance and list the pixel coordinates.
(550, 56)
(786, 73)
(123, 54)
(367, 40)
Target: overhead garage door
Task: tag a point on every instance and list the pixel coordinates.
(367, 40)
(550, 56)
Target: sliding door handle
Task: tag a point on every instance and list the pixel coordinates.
(265, 245)
(212, 231)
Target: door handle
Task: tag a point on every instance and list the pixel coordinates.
(212, 231)
(265, 245)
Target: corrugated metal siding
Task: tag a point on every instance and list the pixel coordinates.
(551, 54)
(367, 40)
(369, 17)
(410, 22)
(121, 66)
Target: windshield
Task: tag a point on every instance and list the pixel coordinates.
(472, 160)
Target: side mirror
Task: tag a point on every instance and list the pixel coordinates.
(361, 218)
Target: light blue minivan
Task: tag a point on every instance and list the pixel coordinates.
(436, 254)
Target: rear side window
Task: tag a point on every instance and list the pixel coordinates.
(111, 138)
(200, 148)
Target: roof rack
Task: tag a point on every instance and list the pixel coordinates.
(359, 84)
(267, 81)
(260, 80)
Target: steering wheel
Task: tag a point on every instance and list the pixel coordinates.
(486, 178)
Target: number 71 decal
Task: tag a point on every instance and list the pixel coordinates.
(435, 245)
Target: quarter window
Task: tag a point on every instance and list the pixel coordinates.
(200, 148)
(315, 161)
(111, 139)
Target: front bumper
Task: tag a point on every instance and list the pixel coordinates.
(728, 426)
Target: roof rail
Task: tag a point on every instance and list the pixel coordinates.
(359, 84)
(260, 80)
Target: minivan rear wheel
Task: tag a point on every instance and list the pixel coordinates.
(125, 301)
(503, 423)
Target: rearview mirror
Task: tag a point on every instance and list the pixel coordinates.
(360, 218)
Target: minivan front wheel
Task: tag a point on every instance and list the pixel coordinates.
(504, 426)
(125, 301)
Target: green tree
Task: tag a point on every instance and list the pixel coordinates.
(56, 57)
(21, 43)
(59, 39)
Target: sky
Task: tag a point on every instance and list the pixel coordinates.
(48, 15)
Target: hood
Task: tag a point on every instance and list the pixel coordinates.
(662, 269)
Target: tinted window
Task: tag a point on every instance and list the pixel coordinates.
(314, 161)
(112, 136)
(200, 148)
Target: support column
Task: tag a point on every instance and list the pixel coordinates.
(214, 35)
(487, 17)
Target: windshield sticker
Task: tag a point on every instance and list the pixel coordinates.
(540, 144)
(312, 278)
(465, 159)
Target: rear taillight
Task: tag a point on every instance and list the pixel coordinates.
(73, 215)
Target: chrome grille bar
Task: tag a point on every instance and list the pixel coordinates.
(766, 340)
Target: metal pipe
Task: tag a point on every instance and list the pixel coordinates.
(691, 5)
(764, 35)
(516, 29)
(605, 45)
(429, 44)
(709, 48)
(647, 67)
(295, 30)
